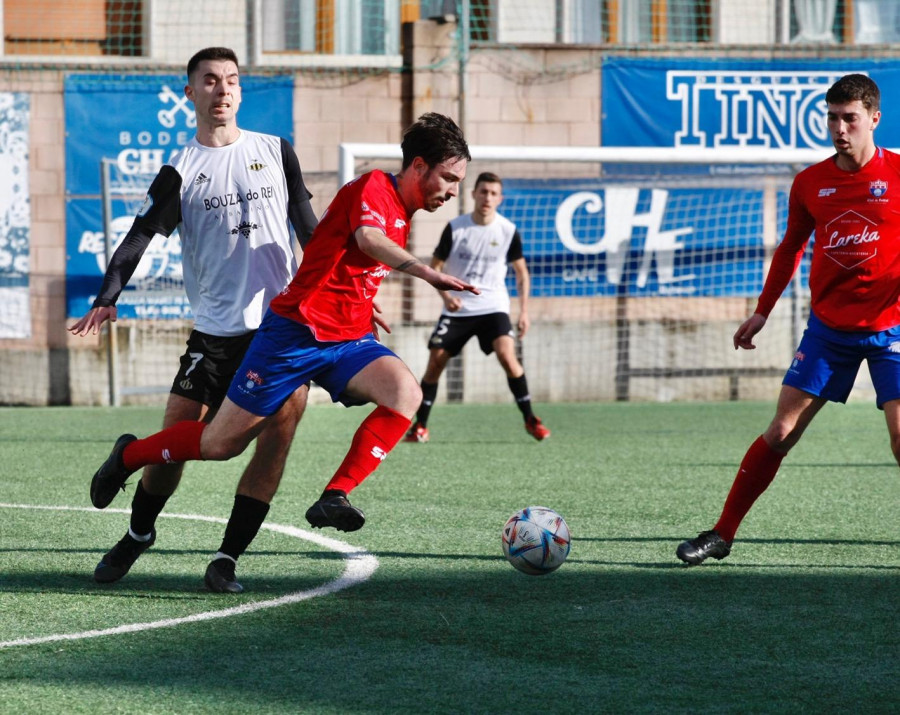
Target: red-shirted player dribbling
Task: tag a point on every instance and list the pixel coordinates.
(851, 201)
(321, 328)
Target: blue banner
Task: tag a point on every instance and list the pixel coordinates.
(156, 289)
(734, 103)
(139, 121)
(599, 238)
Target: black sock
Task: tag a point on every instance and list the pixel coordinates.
(429, 393)
(144, 509)
(519, 388)
(247, 515)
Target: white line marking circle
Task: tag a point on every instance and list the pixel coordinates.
(360, 565)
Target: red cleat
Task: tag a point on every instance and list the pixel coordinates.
(536, 429)
(417, 433)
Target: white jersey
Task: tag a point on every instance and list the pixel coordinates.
(479, 255)
(233, 206)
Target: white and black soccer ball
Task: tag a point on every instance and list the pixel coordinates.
(536, 540)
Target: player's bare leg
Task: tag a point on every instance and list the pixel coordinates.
(892, 417)
(505, 349)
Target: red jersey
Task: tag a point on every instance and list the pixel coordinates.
(332, 292)
(854, 278)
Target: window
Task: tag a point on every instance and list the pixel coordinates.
(85, 27)
(659, 21)
(332, 27)
(591, 21)
(876, 21)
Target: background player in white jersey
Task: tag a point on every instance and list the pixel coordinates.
(234, 196)
(477, 248)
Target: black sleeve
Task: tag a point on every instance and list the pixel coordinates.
(122, 264)
(300, 212)
(515, 248)
(161, 213)
(442, 250)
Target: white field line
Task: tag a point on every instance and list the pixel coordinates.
(359, 567)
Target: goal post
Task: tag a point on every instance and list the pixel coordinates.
(154, 317)
(643, 262)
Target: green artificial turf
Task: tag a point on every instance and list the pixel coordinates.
(802, 617)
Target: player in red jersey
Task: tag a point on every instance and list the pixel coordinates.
(320, 328)
(852, 202)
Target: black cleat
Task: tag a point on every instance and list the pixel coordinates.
(120, 558)
(337, 512)
(220, 577)
(111, 476)
(708, 543)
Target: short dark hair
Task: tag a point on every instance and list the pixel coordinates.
(488, 177)
(210, 53)
(435, 138)
(855, 87)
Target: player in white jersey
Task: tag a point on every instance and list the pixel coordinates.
(234, 196)
(477, 247)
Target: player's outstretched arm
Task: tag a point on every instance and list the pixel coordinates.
(374, 243)
(743, 337)
(452, 302)
(93, 319)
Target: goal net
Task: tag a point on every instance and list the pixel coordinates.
(643, 263)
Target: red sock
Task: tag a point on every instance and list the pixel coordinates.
(757, 471)
(376, 436)
(179, 443)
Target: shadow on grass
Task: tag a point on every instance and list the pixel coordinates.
(156, 586)
(439, 642)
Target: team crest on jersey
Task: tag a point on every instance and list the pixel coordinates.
(256, 166)
(244, 228)
(878, 188)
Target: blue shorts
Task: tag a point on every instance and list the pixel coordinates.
(827, 361)
(284, 355)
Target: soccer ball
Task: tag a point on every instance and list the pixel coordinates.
(536, 540)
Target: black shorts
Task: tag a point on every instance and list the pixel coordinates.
(208, 365)
(451, 333)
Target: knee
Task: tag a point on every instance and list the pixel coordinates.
(412, 398)
(782, 437)
(408, 398)
(220, 449)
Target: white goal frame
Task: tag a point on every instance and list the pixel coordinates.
(351, 153)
